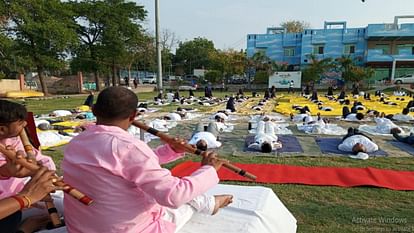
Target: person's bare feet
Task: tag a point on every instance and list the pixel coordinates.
(34, 223)
(222, 201)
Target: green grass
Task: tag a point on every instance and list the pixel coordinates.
(317, 209)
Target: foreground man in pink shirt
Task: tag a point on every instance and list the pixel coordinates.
(132, 193)
(12, 175)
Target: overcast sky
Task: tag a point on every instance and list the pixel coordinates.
(227, 22)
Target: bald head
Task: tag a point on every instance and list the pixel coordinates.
(358, 147)
(115, 103)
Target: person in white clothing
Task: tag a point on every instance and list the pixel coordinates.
(384, 125)
(356, 142)
(173, 116)
(351, 116)
(265, 139)
(204, 140)
(404, 116)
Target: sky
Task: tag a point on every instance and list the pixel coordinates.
(227, 22)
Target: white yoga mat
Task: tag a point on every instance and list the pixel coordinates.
(255, 209)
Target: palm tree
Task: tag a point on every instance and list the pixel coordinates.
(316, 68)
(346, 65)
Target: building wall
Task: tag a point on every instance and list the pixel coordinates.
(9, 85)
(334, 40)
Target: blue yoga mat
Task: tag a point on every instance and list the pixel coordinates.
(330, 145)
(290, 144)
(403, 146)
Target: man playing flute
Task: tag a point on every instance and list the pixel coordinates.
(12, 175)
(132, 192)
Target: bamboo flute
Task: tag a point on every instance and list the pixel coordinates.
(190, 149)
(34, 167)
(50, 206)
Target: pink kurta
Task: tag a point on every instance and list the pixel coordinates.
(124, 177)
(11, 186)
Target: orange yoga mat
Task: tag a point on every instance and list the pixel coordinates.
(322, 176)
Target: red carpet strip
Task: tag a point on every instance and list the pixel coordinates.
(321, 176)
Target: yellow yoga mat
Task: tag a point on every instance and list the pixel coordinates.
(285, 105)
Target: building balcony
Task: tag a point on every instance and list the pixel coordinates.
(377, 55)
(391, 31)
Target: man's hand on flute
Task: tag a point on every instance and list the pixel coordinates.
(12, 168)
(40, 185)
(178, 145)
(210, 158)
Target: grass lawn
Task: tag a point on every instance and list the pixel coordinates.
(317, 209)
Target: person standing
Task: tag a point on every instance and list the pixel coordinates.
(291, 85)
(135, 83)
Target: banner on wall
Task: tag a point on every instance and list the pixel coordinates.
(283, 79)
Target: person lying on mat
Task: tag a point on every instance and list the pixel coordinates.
(175, 116)
(346, 114)
(204, 140)
(132, 192)
(219, 126)
(384, 125)
(404, 116)
(12, 176)
(265, 139)
(303, 117)
(408, 139)
(356, 142)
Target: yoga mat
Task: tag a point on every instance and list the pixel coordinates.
(330, 145)
(403, 146)
(319, 176)
(290, 144)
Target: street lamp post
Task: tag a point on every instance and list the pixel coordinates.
(157, 36)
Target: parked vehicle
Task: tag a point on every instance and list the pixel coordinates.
(409, 78)
(149, 79)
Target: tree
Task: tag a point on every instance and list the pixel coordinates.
(229, 62)
(295, 26)
(261, 77)
(213, 76)
(107, 32)
(121, 29)
(346, 66)
(194, 54)
(316, 68)
(43, 32)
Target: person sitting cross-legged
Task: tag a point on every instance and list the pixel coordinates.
(132, 192)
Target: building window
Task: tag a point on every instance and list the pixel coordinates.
(349, 49)
(407, 48)
(318, 49)
(289, 52)
(384, 47)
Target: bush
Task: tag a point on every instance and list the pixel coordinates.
(213, 76)
(261, 77)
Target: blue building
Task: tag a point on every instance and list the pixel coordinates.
(379, 46)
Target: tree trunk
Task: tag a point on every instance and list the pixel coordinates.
(97, 81)
(129, 71)
(113, 74)
(42, 81)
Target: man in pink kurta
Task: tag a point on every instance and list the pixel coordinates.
(124, 178)
(10, 186)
